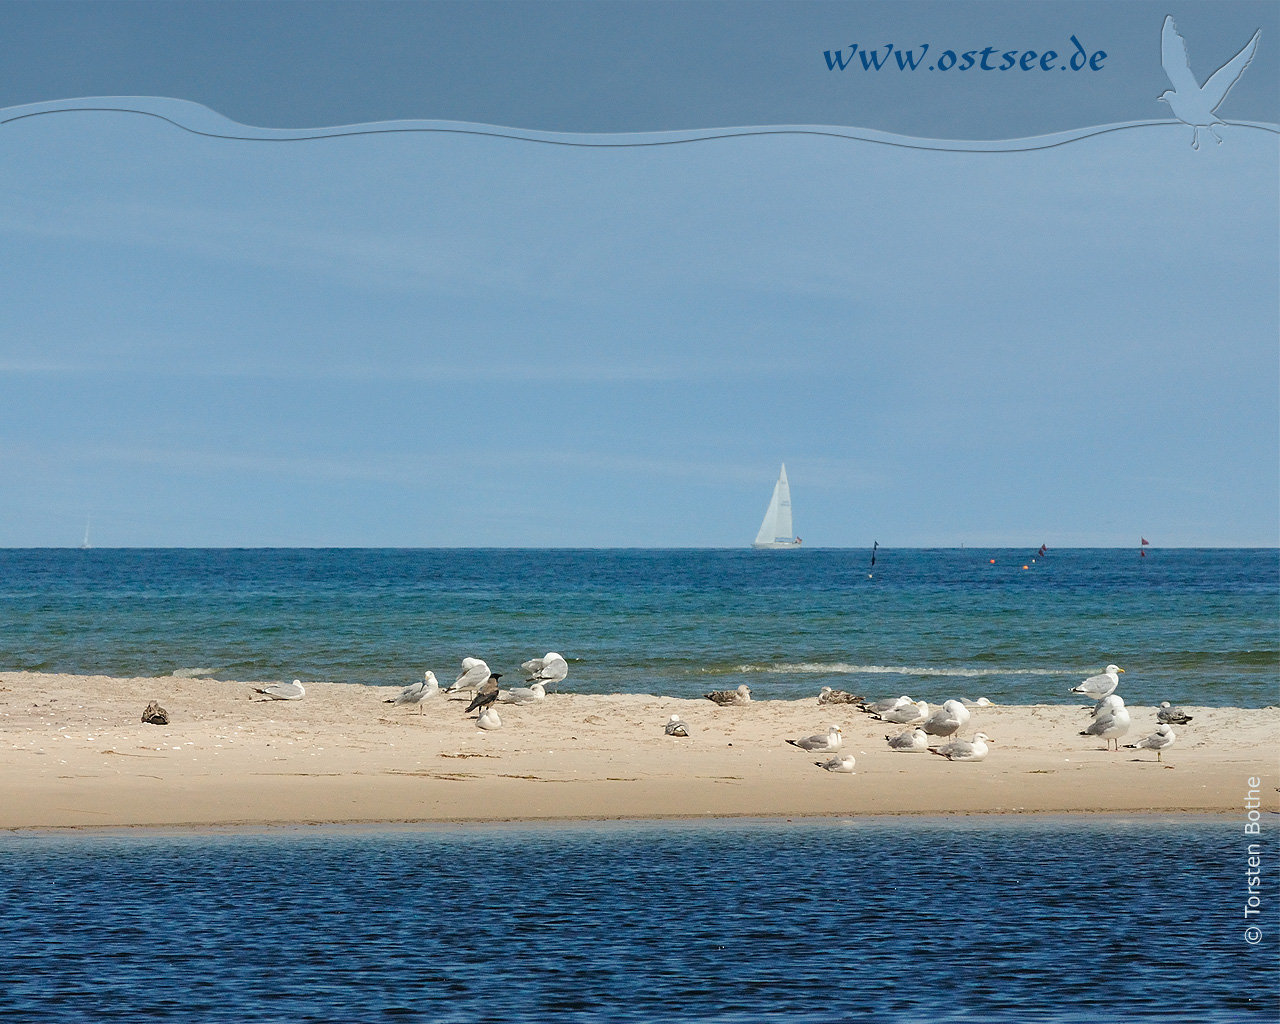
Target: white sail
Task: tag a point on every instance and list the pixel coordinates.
(775, 530)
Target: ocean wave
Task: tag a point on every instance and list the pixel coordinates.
(842, 668)
(192, 673)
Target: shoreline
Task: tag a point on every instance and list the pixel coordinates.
(75, 755)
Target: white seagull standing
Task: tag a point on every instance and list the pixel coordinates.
(1191, 102)
(1101, 686)
(549, 670)
(819, 743)
(1160, 740)
(1111, 721)
(283, 691)
(474, 673)
(416, 693)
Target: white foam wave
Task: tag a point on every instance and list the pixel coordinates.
(842, 668)
(192, 673)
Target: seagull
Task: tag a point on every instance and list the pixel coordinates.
(1191, 102)
(416, 693)
(820, 743)
(550, 669)
(981, 702)
(474, 672)
(1173, 716)
(963, 750)
(523, 694)
(879, 707)
(1111, 722)
(742, 695)
(1098, 687)
(842, 764)
(907, 714)
(913, 741)
(283, 691)
(1162, 739)
(486, 694)
(829, 696)
(676, 727)
(948, 720)
(489, 719)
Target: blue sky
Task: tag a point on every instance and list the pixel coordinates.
(423, 340)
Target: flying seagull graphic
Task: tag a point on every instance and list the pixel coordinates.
(1191, 102)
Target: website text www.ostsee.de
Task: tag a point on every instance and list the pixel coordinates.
(989, 58)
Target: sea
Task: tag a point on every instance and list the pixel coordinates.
(936, 920)
(1189, 626)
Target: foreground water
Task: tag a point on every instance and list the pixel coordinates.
(1190, 626)
(1063, 920)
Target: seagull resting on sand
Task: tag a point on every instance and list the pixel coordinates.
(1111, 721)
(549, 670)
(842, 765)
(1191, 102)
(821, 743)
(489, 719)
(1100, 687)
(913, 741)
(963, 750)
(829, 696)
(1172, 716)
(906, 714)
(283, 691)
(879, 707)
(523, 694)
(416, 693)
(676, 726)
(1160, 740)
(742, 695)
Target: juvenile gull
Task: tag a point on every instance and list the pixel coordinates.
(283, 691)
(486, 694)
(742, 695)
(913, 741)
(523, 694)
(1162, 739)
(842, 764)
(947, 720)
(1111, 722)
(474, 673)
(676, 726)
(489, 719)
(549, 670)
(829, 696)
(1170, 715)
(821, 743)
(907, 714)
(416, 693)
(963, 750)
(1099, 687)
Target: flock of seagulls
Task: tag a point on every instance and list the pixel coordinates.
(1111, 720)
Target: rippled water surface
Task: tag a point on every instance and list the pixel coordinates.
(1188, 626)
(1066, 920)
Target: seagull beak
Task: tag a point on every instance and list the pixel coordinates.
(1119, 670)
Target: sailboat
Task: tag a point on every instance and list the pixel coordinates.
(775, 531)
(86, 545)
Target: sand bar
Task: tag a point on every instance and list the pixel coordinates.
(74, 753)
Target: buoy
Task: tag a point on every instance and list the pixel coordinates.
(993, 561)
(1024, 567)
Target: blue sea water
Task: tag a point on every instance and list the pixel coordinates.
(1190, 626)
(1059, 920)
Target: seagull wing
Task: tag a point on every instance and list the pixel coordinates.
(1220, 82)
(1173, 55)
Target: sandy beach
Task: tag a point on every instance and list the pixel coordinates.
(74, 753)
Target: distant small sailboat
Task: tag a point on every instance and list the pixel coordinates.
(86, 545)
(775, 531)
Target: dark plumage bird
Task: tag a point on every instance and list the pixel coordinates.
(486, 694)
(1167, 715)
(829, 696)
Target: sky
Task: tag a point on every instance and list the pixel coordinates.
(426, 340)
